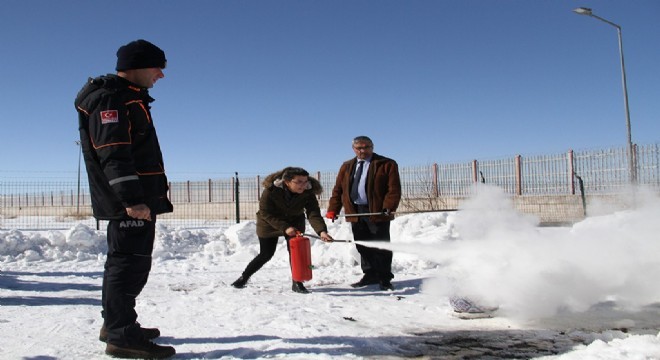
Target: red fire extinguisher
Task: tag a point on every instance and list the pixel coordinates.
(301, 258)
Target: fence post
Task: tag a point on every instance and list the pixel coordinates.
(188, 191)
(518, 175)
(434, 168)
(571, 171)
(257, 186)
(475, 169)
(233, 187)
(210, 195)
(657, 163)
(584, 199)
(238, 207)
(635, 169)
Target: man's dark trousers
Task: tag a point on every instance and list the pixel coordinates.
(376, 263)
(130, 244)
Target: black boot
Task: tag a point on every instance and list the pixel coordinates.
(367, 279)
(240, 282)
(148, 333)
(386, 285)
(299, 288)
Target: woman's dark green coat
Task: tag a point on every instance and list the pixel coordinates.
(280, 209)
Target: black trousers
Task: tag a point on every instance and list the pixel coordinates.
(127, 267)
(267, 248)
(376, 263)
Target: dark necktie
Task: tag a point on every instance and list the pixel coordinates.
(356, 181)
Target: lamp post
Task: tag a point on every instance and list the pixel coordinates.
(631, 163)
(79, 155)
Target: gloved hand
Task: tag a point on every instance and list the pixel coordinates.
(386, 212)
(331, 215)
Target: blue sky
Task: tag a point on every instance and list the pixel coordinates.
(253, 86)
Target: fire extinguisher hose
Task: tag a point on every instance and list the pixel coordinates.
(396, 212)
(333, 240)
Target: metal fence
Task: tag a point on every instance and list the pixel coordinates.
(57, 204)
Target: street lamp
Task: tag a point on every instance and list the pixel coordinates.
(631, 163)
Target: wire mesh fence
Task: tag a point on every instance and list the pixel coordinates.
(547, 174)
(604, 171)
(544, 185)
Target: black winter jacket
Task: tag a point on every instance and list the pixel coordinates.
(120, 147)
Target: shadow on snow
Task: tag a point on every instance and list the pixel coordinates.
(15, 281)
(492, 344)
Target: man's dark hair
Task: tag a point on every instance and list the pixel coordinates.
(362, 139)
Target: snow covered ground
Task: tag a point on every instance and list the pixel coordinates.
(585, 292)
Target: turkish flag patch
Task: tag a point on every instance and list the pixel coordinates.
(109, 116)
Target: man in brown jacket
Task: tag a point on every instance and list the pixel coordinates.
(368, 183)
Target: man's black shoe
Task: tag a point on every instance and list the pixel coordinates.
(386, 285)
(366, 280)
(299, 288)
(148, 333)
(144, 350)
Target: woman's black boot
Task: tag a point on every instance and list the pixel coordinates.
(240, 282)
(299, 288)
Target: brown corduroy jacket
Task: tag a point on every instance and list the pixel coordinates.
(280, 209)
(383, 188)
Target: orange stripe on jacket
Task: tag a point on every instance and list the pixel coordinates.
(139, 102)
(130, 140)
(83, 110)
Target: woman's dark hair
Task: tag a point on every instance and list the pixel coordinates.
(290, 172)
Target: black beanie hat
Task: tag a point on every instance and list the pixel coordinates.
(140, 54)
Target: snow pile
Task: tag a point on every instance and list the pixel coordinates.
(79, 243)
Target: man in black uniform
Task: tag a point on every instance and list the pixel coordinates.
(128, 188)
